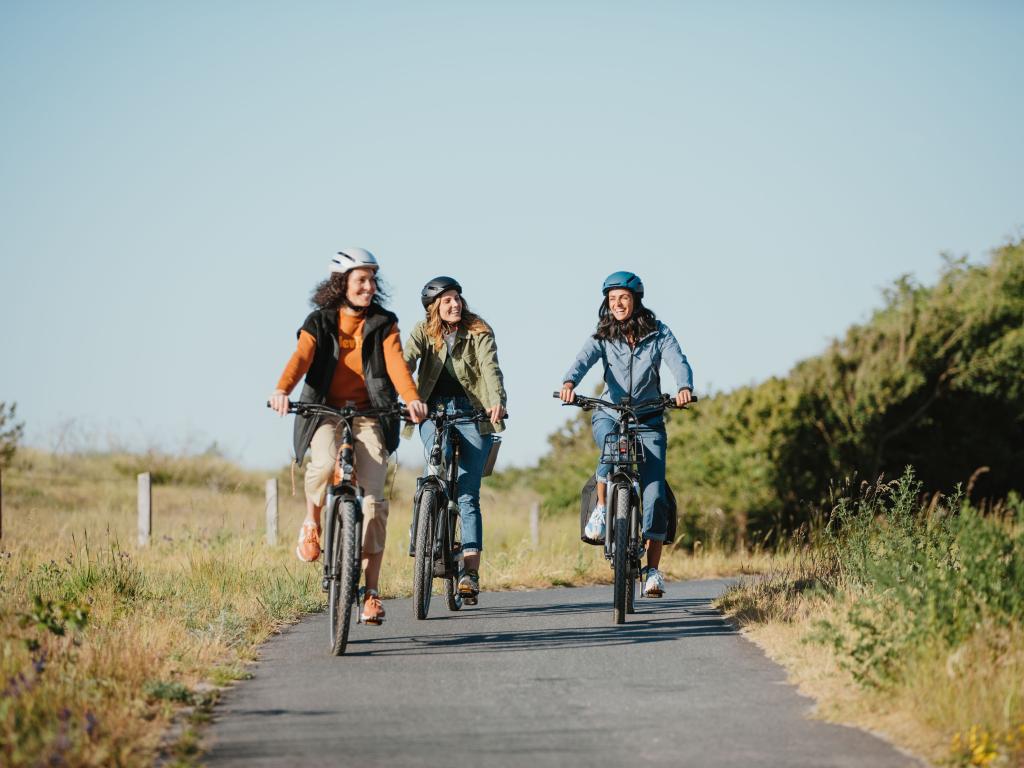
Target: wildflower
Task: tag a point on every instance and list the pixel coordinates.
(90, 724)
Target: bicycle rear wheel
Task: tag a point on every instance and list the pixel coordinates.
(452, 598)
(342, 593)
(620, 555)
(423, 568)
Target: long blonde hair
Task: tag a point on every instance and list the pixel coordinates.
(471, 321)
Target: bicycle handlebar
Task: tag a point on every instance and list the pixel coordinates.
(319, 409)
(465, 417)
(657, 403)
(347, 412)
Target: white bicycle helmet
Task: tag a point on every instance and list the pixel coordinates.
(351, 258)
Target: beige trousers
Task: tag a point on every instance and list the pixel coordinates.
(371, 469)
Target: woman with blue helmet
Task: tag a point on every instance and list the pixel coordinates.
(632, 344)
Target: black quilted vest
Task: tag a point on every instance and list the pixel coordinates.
(322, 324)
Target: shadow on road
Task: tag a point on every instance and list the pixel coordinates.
(657, 621)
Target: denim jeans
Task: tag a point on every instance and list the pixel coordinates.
(652, 472)
(473, 451)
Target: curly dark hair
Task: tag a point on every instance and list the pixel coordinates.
(642, 322)
(332, 292)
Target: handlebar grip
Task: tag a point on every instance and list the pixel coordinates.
(556, 394)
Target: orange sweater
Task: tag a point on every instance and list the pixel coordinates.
(348, 383)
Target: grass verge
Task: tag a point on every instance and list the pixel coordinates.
(905, 619)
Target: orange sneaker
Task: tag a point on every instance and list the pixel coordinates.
(373, 609)
(308, 548)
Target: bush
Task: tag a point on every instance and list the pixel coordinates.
(916, 574)
(934, 379)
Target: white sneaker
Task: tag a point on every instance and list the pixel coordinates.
(654, 583)
(594, 529)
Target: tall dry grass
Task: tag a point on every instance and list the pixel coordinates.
(907, 619)
(103, 641)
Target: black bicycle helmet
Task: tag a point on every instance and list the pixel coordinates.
(626, 280)
(436, 287)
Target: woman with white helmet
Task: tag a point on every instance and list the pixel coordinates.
(632, 344)
(350, 352)
(458, 370)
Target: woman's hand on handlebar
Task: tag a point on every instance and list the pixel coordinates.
(683, 398)
(417, 411)
(279, 402)
(567, 393)
(496, 414)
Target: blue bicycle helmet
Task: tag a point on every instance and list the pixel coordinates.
(626, 280)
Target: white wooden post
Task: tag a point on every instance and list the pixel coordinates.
(272, 511)
(145, 509)
(535, 524)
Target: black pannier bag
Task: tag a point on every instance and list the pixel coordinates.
(588, 500)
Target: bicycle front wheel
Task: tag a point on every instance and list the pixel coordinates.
(620, 554)
(423, 568)
(631, 593)
(342, 596)
(633, 565)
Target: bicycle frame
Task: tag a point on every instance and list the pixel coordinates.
(624, 458)
(623, 452)
(343, 485)
(442, 476)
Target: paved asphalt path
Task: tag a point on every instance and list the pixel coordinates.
(531, 679)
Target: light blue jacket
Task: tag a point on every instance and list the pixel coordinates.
(633, 372)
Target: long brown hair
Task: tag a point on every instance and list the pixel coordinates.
(332, 293)
(639, 324)
(471, 321)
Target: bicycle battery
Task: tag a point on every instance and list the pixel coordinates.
(492, 457)
(488, 465)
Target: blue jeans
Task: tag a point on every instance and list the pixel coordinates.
(473, 451)
(652, 472)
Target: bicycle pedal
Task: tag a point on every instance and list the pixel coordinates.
(469, 599)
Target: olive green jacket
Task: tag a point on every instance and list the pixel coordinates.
(474, 360)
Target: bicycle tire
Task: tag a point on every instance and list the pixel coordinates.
(452, 598)
(332, 561)
(631, 584)
(423, 567)
(347, 566)
(620, 556)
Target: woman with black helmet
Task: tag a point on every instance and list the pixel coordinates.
(632, 344)
(458, 368)
(349, 351)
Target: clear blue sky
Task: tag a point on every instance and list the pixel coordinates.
(175, 176)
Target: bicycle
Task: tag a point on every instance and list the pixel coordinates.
(435, 535)
(623, 452)
(342, 521)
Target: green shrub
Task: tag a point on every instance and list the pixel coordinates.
(917, 573)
